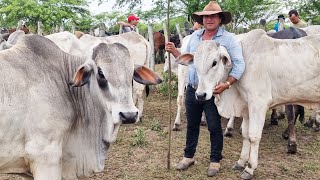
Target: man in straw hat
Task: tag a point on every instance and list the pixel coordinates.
(212, 17)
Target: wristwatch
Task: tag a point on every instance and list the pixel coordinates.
(229, 84)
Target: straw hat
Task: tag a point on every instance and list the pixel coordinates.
(212, 8)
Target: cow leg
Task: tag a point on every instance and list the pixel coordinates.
(44, 159)
(245, 152)
(317, 122)
(203, 120)
(274, 117)
(180, 99)
(290, 118)
(161, 54)
(300, 113)
(140, 104)
(137, 96)
(311, 120)
(292, 142)
(229, 130)
(256, 123)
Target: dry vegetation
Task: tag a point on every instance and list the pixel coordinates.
(140, 152)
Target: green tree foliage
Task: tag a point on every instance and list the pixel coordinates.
(249, 12)
(49, 12)
(244, 12)
(309, 10)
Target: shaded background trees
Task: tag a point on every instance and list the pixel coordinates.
(246, 13)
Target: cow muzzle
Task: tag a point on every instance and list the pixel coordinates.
(128, 117)
(201, 97)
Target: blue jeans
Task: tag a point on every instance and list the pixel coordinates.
(194, 109)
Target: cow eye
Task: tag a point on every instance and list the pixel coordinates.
(102, 81)
(100, 73)
(214, 63)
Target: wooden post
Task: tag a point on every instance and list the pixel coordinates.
(120, 29)
(91, 32)
(61, 29)
(19, 25)
(73, 29)
(40, 31)
(56, 29)
(151, 41)
(102, 30)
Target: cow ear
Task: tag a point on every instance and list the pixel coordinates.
(83, 74)
(7, 46)
(144, 75)
(225, 57)
(185, 59)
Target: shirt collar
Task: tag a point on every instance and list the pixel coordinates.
(201, 31)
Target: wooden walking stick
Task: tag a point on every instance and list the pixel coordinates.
(169, 88)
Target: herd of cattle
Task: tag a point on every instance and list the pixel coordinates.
(65, 91)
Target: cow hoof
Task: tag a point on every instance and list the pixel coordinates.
(176, 127)
(301, 120)
(203, 123)
(228, 133)
(141, 118)
(285, 136)
(292, 147)
(237, 167)
(282, 116)
(308, 125)
(246, 175)
(274, 122)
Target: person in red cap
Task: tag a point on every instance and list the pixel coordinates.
(131, 25)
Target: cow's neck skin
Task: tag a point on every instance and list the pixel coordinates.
(84, 148)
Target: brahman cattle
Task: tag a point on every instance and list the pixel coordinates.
(277, 72)
(294, 111)
(139, 50)
(312, 30)
(140, 53)
(159, 43)
(11, 40)
(59, 113)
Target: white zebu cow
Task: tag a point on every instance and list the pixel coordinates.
(267, 81)
(140, 52)
(69, 43)
(312, 30)
(59, 113)
(12, 40)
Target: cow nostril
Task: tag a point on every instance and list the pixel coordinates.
(128, 117)
(201, 97)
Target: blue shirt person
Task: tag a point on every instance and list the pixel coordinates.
(212, 17)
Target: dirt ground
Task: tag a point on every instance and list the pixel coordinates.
(141, 150)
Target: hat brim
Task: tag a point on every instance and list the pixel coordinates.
(198, 16)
